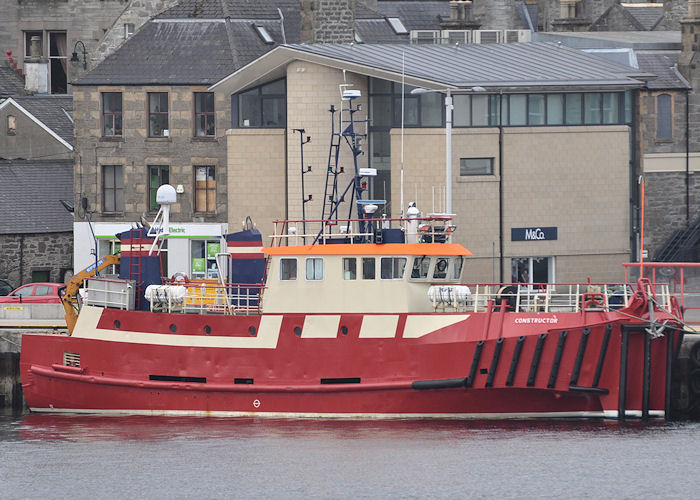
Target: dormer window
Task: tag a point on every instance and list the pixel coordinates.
(11, 125)
(263, 34)
(397, 25)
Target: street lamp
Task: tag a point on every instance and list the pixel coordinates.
(74, 56)
(448, 135)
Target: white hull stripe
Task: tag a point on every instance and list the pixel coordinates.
(320, 326)
(266, 338)
(379, 326)
(357, 416)
(419, 325)
(255, 250)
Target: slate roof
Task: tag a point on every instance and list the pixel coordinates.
(48, 182)
(416, 15)
(177, 53)
(489, 65)
(647, 16)
(53, 111)
(663, 65)
(377, 31)
(11, 84)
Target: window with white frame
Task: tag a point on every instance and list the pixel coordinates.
(314, 269)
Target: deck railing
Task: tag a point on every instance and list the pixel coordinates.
(547, 297)
(433, 228)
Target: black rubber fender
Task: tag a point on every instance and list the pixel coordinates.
(695, 355)
(694, 382)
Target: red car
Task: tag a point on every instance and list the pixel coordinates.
(35, 293)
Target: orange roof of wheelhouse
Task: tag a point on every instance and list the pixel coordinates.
(371, 249)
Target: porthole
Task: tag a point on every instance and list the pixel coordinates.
(344, 330)
(252, 330)
(207, 329)
(297, 331)
(117, 323)
(173, 327)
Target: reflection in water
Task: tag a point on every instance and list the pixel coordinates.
(62, 456)
(37, 426)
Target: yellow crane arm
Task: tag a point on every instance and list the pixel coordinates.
(73, 286)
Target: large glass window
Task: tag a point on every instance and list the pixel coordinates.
(441, 265)
(158, 114)
(611, 108)
(112, 188)
(112, 114)
(518, 109)
(555, 109)
(592, 108)
(573, 109)
(535, 109)
(264, 106)
(157, 176)
(204, 114)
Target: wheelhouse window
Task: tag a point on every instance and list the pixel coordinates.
(158, 114)
(392, 268)
(349, 268)
(368, 268)
(421, 265)
(314, 269)
(440, 270)
(112, 188)
(288, 269)
(457, 267)
(663, 117)
(157, 176)
(205, 189)
(112, 114)
(204, 115)
(263, 106)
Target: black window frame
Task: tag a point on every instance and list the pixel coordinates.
(262, 97)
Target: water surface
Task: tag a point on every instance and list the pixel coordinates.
(49, 456)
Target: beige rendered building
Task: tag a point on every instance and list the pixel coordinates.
(540, 144)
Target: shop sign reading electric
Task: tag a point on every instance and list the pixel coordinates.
(533, 233)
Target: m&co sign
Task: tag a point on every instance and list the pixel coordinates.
(533, 233)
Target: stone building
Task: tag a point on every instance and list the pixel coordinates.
(89, 28)
(36, 172)
(145, 116)
(557, 165)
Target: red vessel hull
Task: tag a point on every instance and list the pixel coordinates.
(481, 365)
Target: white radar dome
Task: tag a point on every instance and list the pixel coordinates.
(166, 195)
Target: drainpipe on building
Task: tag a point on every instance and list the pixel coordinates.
(687, 158)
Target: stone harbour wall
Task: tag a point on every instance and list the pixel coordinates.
(23, 254)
